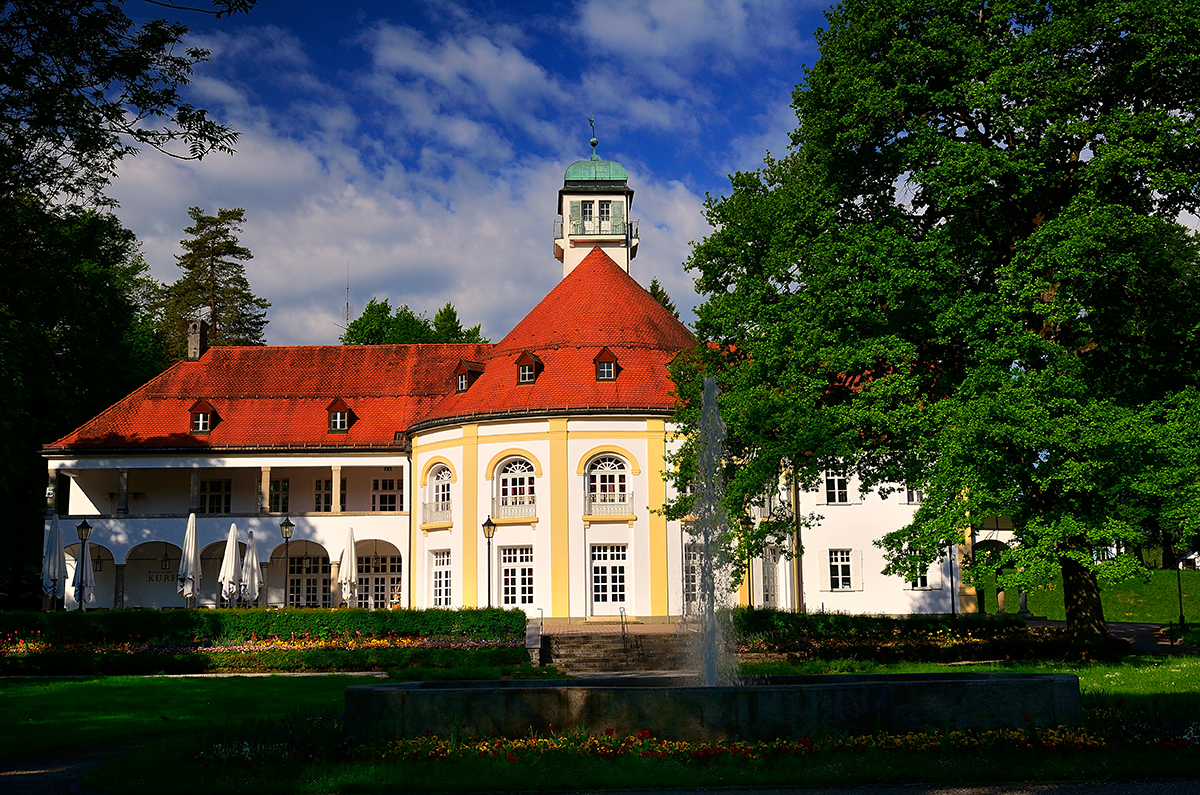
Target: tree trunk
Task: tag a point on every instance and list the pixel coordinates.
(1087, 632)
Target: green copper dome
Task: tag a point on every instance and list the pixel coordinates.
(596, 170)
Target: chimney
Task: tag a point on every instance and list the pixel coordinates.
(197, 339)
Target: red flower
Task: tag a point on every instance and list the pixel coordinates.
(644, 734)
(609, 732)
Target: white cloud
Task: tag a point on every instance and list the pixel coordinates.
(326, 183)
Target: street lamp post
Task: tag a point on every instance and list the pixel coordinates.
(85, 531)
(286, 528)
(489, 530)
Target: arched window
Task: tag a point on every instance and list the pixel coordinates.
(607, 488)
(438, 509)
(515, 490)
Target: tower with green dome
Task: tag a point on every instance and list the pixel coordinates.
(594, 208)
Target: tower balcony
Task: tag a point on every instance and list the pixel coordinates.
(594, 231)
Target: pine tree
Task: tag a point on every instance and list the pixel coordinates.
(659, 294)
(214, 282)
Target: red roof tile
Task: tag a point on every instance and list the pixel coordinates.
(598, 305)
(279, 396)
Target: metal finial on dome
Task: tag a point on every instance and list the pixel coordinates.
(593, 142)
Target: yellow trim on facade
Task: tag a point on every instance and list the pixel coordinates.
(744, 592)
(634, 469)
(470, 499)
(412, 520)
(538, 436)
(437, 526)
(518, 520)
(629, 518)
(513, 452)
(656, 464)
(560, 491)
(431, 463)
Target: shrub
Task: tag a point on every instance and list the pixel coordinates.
(187, 627)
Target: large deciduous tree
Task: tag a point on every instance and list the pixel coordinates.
(969, 275)
(82, 87)
(214, 281)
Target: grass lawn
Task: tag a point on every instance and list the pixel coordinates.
(48, 715)
(1153, 602)
(285, 747)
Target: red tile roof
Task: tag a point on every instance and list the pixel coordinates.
(279, 397)
(598, 305)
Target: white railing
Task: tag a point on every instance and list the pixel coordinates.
(518, 507)
(593, 226)
(432, 512)
(608, 504)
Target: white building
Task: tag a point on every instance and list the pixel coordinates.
(559, 433)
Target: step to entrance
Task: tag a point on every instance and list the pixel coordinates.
(591, 653)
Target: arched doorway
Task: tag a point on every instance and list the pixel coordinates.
(104, 569)
(151, 571)
(211, 558)
(303, 579)
(380, 574)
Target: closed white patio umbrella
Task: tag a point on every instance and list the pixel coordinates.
(348, 570)
(189, 564)
(251, 577)
(231, 567)
(84, 581)
(54, 562)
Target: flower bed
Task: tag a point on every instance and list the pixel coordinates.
(229, 640)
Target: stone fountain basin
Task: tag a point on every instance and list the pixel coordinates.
(768, 708)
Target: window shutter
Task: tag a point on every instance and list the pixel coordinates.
(856, 577)
(618, 217)
(935, 575)
(823, 570)
(575, 215)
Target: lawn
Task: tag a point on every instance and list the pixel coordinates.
(291, 742)
(1153, 602)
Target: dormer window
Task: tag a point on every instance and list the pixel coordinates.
(339, 416)
(203, 417)
(606, 365)
(466, 373)
(528, 368)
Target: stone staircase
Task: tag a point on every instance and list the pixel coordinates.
(608, 652)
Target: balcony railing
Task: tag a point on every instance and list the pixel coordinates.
(434, 512)
(517, 507)
(596, 227)
(608, 504)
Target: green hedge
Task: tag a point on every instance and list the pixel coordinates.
(276, 660)
(832, 636)
(186, 627)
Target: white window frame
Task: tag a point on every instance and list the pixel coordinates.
(516, 576)
(462, 382)
(441, 578)
(339, 421)
(931, 580)
(201, 422)
(379, 581)
(849, 558)
(387, 494)
(606, 371)
(526, 373)
(913, 496)
(223, 494)
(323, 496)
(836, 485)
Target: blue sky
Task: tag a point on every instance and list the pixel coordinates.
(422, 144)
